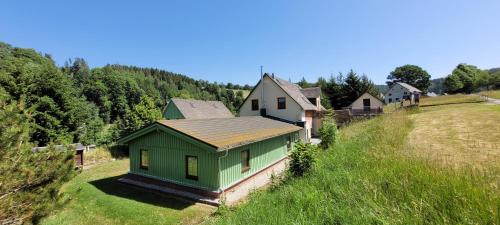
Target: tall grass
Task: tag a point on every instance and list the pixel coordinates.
(367, 178)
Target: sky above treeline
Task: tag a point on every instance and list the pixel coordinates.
(228, 41)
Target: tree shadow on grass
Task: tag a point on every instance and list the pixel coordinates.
(112, 186)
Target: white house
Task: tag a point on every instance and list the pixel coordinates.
(402, 91)
(279, 99)
(367, 104)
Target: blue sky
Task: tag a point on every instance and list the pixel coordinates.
(227, 41)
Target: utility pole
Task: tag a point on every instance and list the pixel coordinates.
(262, 89)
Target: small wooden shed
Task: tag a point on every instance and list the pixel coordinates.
(208, 157)
(78, 148)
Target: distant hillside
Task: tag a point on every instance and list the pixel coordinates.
(437, 86)
(382, 88)
(494, 70)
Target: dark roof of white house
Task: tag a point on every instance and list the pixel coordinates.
(409, 87)
(295, 92)
(313, 92)
(228, 133)
(198, 109)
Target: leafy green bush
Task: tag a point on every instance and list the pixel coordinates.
(302, 158)
(328, 131)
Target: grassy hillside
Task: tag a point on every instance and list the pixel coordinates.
(96, 197)
(449, 99)
(371, 176)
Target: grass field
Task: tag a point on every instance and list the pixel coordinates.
(449, 99)
(458, 135)
(492, 94)
(95, 197)
(368, 177)
(438, 100)
(245, 92)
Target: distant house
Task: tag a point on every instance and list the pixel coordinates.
(207, 159)
(366, 104)
(195, 109)
(402, 91)
(279, 99)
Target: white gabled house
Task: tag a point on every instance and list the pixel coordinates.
(279, 99)
(366, 104)
(400, 91)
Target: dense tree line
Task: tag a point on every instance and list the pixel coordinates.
(341, 90)
(468, 78)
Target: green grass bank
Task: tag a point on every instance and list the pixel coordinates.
(96, 197)
(370, 177)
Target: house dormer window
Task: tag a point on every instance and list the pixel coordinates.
(281, 103)
(313, 101)
(255, 104)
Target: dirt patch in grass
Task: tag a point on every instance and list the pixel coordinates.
(466, 135)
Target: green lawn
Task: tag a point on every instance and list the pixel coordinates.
(371, 176)
(96, 197)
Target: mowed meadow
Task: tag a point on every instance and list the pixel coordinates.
(380, 173)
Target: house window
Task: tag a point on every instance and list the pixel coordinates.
(397, 99)
(390, 100)
(281, 103)
(255, 104)
(245, 160)
(144, 159)
(390, 94)
(406, 93)
(192, 167)
(289, 143)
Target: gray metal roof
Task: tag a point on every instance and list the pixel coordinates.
(198, 109)
(228, 133)
(409, 87)
(313, 92)
(294, 91)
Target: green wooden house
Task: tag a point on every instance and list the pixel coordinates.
(207, 157)
(195, 109)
